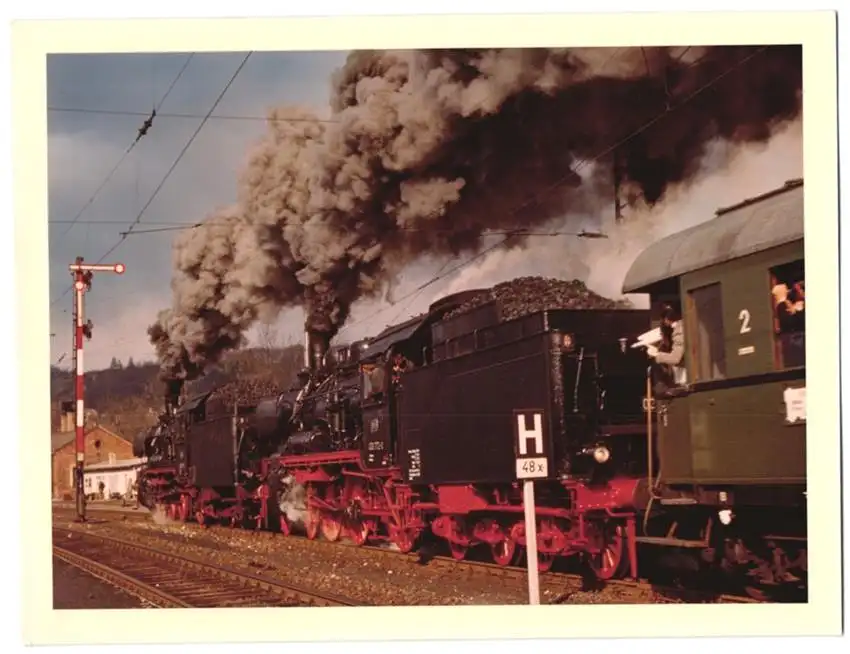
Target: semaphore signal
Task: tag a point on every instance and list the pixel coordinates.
(82, 274)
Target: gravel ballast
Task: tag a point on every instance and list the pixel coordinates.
(340, 568)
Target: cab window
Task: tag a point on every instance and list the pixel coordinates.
(366, 381)
(788, 300)
(373, 381)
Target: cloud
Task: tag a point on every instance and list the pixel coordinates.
(118, 336)
(602, 264)
(83, 147)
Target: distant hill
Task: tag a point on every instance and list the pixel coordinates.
(128, 398)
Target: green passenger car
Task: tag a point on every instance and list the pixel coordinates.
(729, 437)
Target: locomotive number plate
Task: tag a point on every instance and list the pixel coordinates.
(531, 468)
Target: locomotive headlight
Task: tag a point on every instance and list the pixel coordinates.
(567, 342)
(601, 454)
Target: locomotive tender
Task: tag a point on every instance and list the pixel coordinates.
(417, 432)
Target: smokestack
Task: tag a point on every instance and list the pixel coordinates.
(173, 388)
(316, 344)
(67, 418)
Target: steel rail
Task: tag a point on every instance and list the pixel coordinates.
(211, 582)
(116, 578)
(562, 581)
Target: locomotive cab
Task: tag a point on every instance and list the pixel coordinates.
(383, 363)
(378, 432)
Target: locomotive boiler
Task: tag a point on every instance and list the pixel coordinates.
(321, 412)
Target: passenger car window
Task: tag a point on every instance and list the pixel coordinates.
(788, 298)
(705, 331)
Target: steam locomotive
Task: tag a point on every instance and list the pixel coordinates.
(428, 429)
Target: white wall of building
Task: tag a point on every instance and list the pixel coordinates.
(117, 477)
(119, 481)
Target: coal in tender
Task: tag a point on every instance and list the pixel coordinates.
(526, 295)
(245, 392)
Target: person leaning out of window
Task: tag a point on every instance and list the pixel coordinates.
(670, 353)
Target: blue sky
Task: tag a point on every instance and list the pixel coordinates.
(83, 146)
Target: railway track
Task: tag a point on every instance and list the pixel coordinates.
(560, 584)
(566, 583)
(167, 580)
(91, 509)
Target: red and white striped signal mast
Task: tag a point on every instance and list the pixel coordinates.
(82, 274)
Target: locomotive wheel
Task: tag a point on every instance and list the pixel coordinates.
(358, 532)
(545, 561)
(612, 559)
(404, 539)
(284, 525)
(458, 551)
(331, 528)
(185, 508)
(331, 525)
(504, 551)
(312, 523)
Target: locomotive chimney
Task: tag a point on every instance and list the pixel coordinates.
(316, 344)
(67, 417)
(173, 387)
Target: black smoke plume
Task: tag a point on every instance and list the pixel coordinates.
(428, 150)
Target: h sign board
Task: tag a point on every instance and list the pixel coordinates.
(531, 456)
(531, 463)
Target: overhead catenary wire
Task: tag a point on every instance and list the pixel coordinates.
(170, 226)
(414, 295)
(127, 151)
(613, 54)
(179, 157)
(433, 280)
(441, 274)
(558, 183)
(119, 112)
(170, 170)
(174, 227)
(669, 109)
(561, 181)
(501, 232)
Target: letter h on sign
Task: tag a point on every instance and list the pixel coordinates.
(524, 434)
(531, 462)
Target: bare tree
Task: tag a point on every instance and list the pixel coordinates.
(268, 341)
